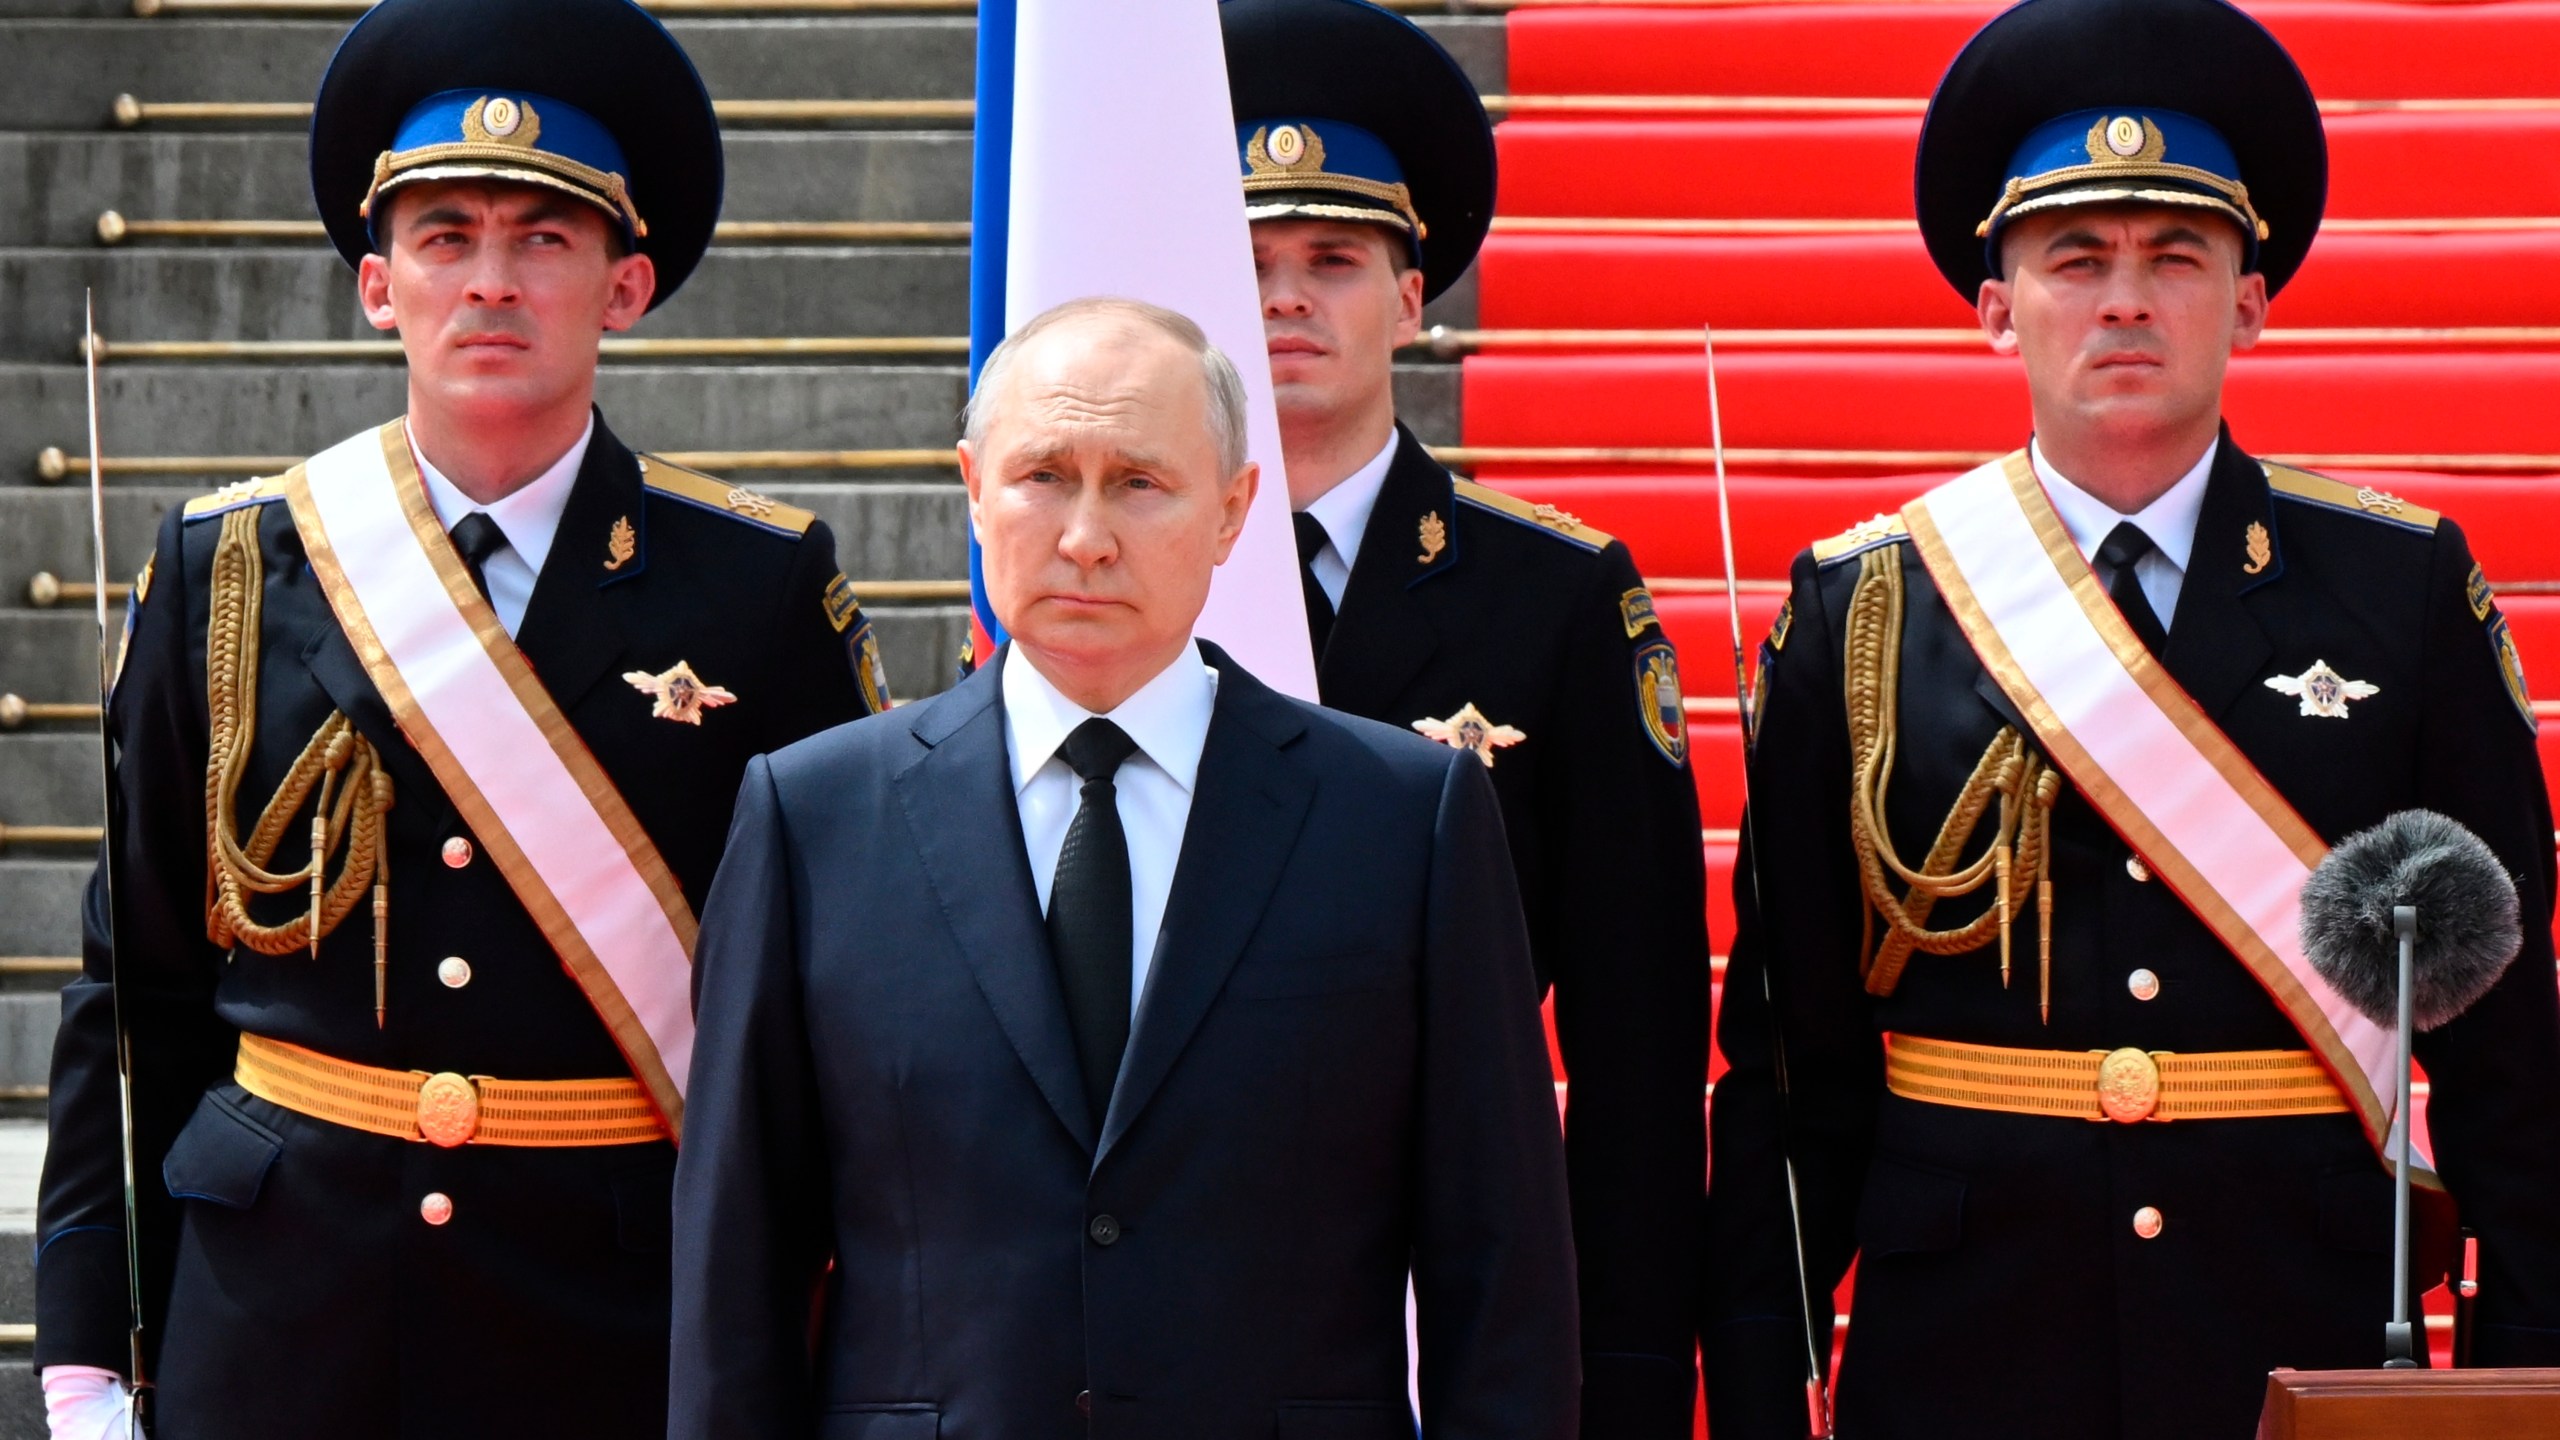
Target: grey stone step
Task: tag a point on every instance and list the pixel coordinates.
(47, 655)
(27, 1023)
(66, 73)
(180, 409)
(151, 410)
(40, 899)
(53, 185)
(306, 294)
(49, 780)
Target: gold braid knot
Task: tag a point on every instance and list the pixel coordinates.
(354, 791)
(2011, 775)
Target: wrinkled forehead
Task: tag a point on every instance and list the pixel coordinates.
(1104, 388)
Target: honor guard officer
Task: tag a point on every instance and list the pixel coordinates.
(2033, 753)
(1503, 628)
(425, 755)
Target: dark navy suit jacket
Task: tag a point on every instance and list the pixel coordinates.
(1336, 1076)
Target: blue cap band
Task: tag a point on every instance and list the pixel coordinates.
(2124, 156)
(1330, 169)
(509, 134)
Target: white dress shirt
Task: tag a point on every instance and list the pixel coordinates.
(2170, 521)
(1169, 718)
(1343, 511)
(529, 518)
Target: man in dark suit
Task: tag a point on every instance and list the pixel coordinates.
(1510, 630)
(2045, 758)
(425, 750)
(1158, 1161)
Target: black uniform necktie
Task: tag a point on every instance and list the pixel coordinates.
(1089, 911)
(1311, 543)
(2122, 552)
(478, 537)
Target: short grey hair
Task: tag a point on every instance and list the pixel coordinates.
(1217, 373)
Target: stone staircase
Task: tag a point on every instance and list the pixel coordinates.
(67, 158)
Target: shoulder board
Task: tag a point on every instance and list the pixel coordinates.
(1860, 538)
(2358, 500)
(257, 490)
(1545, 517)
(736, 501)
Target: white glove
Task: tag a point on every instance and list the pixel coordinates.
(83, 1402)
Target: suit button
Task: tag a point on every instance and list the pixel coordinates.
(454, 971)
(2147, 1222)
(457, 852)
(2143, 984)
(437, 1208)
(1104, 1230)
(1084, 1403)
(2134, 867)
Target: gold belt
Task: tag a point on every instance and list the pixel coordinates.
(448, 1109)
(2122, 1085)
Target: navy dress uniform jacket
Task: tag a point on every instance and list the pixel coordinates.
(1335, 1075)
(292, 1287)
(1533, 623)
(2002, 1290)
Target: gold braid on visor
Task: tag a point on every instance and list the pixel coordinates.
(2099, 183)
(481, 160)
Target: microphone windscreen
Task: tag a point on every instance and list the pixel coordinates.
(2468, 931)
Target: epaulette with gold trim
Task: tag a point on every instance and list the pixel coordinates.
(1860, 538)
(736, 501)
(2355, 499)
(256, 490)
(1544, 517)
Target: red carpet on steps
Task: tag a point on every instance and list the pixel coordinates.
(1629, 282)
(2278, 404)
(2380, 166)
(2349, 51)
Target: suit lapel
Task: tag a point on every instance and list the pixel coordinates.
(1384, 633)
(1246, 810)
(572, 632)
(2216, 647)
(961, 817)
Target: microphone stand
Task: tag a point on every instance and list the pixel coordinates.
(2399, 1340)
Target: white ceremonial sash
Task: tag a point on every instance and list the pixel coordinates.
(543, 810)
(2142, 751)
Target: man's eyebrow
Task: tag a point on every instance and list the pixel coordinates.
(547, 212)
(1122, 458)
(2074, 240)
(447, 214)
(2169, 235)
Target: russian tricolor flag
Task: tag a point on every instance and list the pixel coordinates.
(1106, 165)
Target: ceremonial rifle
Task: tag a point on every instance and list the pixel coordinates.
(141, 1384)
(1817, 1403)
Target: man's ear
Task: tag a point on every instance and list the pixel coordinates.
(1235, 505)
(969, 479)
(1999, 318)
(2249, 311)
(635, 283)
(373, 292)
(1408, 305)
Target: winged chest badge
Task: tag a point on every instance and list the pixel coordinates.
(1470, 731)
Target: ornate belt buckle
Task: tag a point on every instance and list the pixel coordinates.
(448, 1110)
(2128, 1085)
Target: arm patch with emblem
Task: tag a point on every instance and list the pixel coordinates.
(2483, 601)
(1658, 706)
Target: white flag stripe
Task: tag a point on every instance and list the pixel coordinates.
(1125, 182)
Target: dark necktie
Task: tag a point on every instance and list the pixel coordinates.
(477, 537)
(1089, 920)
(2123, 551)
(1311, 543)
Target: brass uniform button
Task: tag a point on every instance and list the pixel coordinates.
(455, 972)
(437, 1208)
(2134, 867)
(457, 852)
(2147, 1222)
(2142, 983)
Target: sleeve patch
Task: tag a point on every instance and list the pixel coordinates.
(863, 647)
(1779, 627)
(1635, 611)
(2511, 668)
(840, 603)
(1658, 705)
(2476, 590)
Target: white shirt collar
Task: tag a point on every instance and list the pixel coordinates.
(2170, 521)
(530, 516)
(1168, 716)
(1344, 509)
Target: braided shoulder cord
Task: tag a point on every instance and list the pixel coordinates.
(2011, 773)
